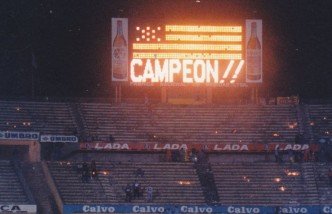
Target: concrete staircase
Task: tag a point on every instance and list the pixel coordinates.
(40, 190)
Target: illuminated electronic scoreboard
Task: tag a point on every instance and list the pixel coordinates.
(179, 55)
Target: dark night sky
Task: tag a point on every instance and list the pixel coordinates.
(70, 41)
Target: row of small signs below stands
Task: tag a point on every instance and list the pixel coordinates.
(226, 209)
(155, 146)
(35, 136)
(207, 147)
(141, 208)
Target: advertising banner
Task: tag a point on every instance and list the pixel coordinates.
(254, 46)
(9, 135)
(299, 209)
(141, 208)
(220, 209)
(13, 208)
(208, 147)
(59, 138)
(293, 100)
(326, 209)
(119, 49)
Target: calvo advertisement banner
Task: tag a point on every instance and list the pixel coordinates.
(178, 209)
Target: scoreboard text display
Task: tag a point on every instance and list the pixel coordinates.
(179, 55)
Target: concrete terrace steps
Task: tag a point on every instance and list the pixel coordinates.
(45, 117)
(164, 178)
(71, 188)
(322, 181)
(321, 117)
(130, 121)
(255, 184)
(10, 187)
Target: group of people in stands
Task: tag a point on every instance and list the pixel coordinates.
(294, 156)
(183, 155)
(88, 172)
(135, 190)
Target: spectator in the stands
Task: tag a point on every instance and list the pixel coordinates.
(79, 168)
(175, 155)
(312, 155)
(182, 154)
(201, 156)
(168, 155)
(136, 189)
(290, 154)
(139, 172)
(306, 155)
(94, 172)
(298, 156)
(193, 155)
(111, 138)
(266, 149)
(85, 172)
(149, 193)
(277, 154)
(128, 191)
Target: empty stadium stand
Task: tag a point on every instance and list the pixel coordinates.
(227, 178)
(231, 124)
(320, 121)
(71, 188)
(12, 186)
(44, 117)
(265, 183)
(322, 181)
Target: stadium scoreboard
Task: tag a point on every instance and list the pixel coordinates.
(180, 55)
